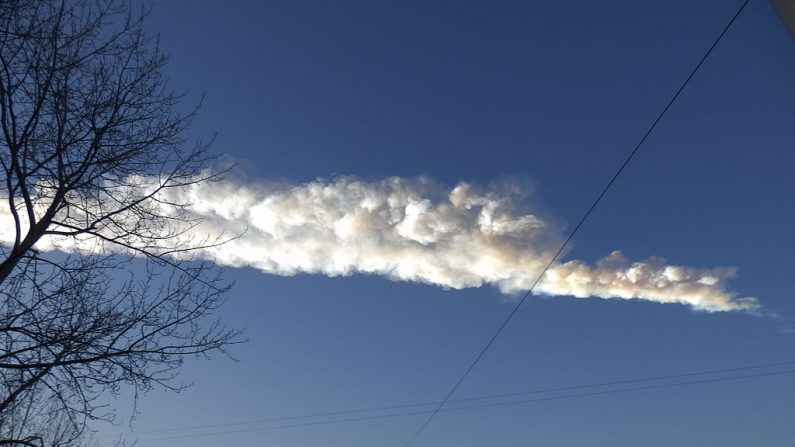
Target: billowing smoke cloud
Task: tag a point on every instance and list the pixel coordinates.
(416, 230)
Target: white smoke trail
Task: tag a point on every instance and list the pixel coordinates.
(412, 229)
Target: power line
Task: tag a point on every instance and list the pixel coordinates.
(465, 400)
(471, 399)
(473, 407)
(624, 390)
(626, 381)
(574, 231)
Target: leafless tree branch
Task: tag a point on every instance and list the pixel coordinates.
(99, 288)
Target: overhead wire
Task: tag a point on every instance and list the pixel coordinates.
(465, 400)
(582, 220)
(470, 407)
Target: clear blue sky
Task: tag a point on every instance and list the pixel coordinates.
(558, 92)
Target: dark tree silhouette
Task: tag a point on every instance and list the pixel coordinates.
(98, 286)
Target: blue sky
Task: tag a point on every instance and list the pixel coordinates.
(555, 92)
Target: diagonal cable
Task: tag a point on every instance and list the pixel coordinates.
(576, 228)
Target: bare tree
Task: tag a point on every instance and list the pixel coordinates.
(34, 422)
(92, 159)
